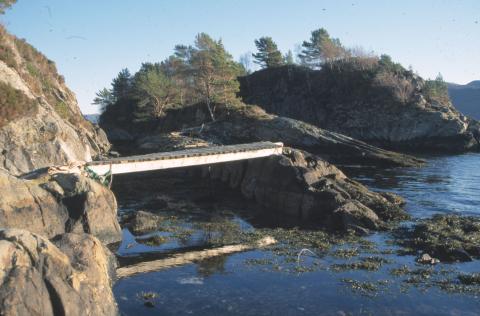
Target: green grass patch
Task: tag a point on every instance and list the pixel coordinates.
(62, 109)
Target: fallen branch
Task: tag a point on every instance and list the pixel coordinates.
(189, 257)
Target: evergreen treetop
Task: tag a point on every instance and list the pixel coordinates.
(268, 55)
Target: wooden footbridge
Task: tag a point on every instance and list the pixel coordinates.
(185, 158)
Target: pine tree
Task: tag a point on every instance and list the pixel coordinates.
(268, 55)
(289, 58)
(122, 85)
(214, 72)
(204, 72)
(153, 90)
(177, 68)
(104, 99)
(321, 48)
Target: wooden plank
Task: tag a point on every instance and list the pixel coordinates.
(186, 158)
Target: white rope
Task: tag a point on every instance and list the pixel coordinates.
(303, 251)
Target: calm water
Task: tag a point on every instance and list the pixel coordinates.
(229, 285)
(446, 185)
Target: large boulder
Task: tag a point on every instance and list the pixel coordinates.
(40, 121)
(92, 207)
(364, 98)
(304, 186)
(142, 222)
(39, 278)
(54, 205)
(25, 204)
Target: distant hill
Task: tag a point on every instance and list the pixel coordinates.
(466, 98)
(93, 118)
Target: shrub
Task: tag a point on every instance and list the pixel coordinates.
(400, 87)
(62, 109)
(6, 52)
(389, 65)
(14, 104)
(32, 70)
(436, 90)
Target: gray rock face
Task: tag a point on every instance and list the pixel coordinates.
(24, 204)
(39, 278)
(52, 206)
(42, 140)
(366, 104)
(302, 185)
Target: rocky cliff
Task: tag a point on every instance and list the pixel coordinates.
(52, 260)
(382, 104)
(40, 121)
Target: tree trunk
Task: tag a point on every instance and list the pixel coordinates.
(209, 106)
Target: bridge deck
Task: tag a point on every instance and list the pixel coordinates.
(185, 158)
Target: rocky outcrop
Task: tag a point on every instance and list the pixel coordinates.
(61, 204)
(250, 124)
(384, 105)
(70, 277)
(52, 130)
(304, 186)
(142, 222)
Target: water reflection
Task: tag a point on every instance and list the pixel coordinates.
(212, 266)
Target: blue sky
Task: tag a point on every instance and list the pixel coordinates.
(91, 40)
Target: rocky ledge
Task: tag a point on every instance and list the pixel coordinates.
(185, 128)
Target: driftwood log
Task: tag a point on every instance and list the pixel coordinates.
(189, 257)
